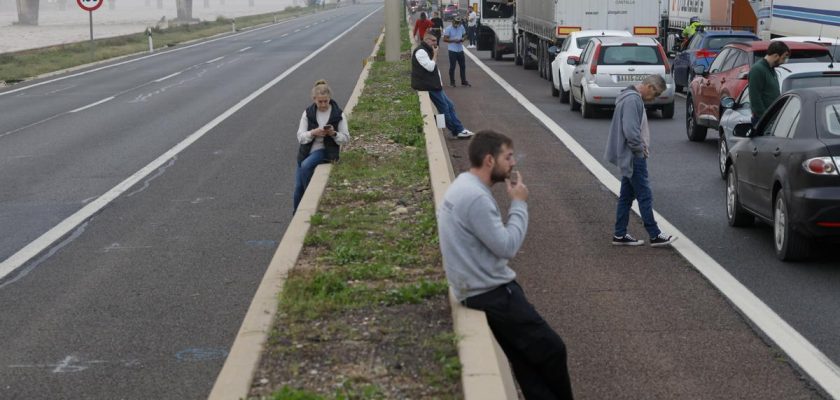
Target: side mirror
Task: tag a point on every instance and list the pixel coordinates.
(699, 69)
(553, 50)
(727, 103)
(573, 60)
(743, 130)
(744, 76)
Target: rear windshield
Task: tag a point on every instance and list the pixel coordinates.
(832, 118)
(799, 56)
(717, 42)
(629, 55)
(809, 82)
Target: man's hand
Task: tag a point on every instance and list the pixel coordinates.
(516, 189)
(318, 132)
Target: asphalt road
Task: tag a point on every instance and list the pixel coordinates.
(689, 192)
(144, 299)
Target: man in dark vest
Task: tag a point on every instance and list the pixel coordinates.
(426, 77)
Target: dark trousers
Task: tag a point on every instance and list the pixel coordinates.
(536, 353)
(457, 57)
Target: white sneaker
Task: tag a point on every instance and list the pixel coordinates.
(465, 134)
(472, 46)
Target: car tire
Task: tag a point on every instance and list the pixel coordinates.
(694, 131)
(789, 244)
(495, 53)
(573, 104)
(564, 96)
(668, 111)
(735, 213)
(554, 91)
(723, 155)
(586, 109)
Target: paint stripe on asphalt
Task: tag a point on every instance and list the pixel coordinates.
(105, 100)
(168, 76)
(800, 350)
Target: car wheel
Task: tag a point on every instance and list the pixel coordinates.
(695, 132)
(668, 111)
(496, 54)
(789, 244)
(735, 214)
(586, 109)
(723, 154)
(573, 104)
(554, 91)
(564, 96)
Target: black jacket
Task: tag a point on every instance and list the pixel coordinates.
(330, 146)
(421, 79)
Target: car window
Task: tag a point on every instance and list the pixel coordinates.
(718, 62)
(630, 55)
(492, 9)
(799, 56)
(832, 119)
(584, 56)
(565, 46)
(717, 42)
(767, 126)
(743, 59)
(582, 41)
(696, 42)
(744, 98)
(788, 118)
(730, 60)
(809, 82)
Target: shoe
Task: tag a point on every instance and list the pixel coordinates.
(662, 240)
(472, 46)
(467, 84)
(465, 134)
(452, 84)
(626, 240)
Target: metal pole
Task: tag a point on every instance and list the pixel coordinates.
(92, 45)
(151, 45)
(392, 30)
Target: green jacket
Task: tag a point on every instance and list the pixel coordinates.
(764, 87)
(691, 29)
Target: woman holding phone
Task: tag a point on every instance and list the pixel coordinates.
(321, 132)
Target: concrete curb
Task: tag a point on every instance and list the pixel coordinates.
(234, 380)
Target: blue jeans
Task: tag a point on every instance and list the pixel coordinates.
(471, 34)
(457, 57)
(636, 187)
(447, 108)
(304, 174)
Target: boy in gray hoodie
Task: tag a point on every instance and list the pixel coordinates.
(628, 147)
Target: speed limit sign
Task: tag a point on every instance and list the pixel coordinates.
(89, 5)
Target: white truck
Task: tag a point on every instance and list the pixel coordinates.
(817, 18)
(495, 29)
(542, 24)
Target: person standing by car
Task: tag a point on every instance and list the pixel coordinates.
(420, 27)
(437, 26)
(476, 246)
(764, 85)
(425, 76)
(628, 147)
(321, 132)
(472, 25)
(454, 35)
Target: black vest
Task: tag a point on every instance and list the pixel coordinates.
(421, 79)
(331, 148)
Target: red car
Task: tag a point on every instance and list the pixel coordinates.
(728, 75)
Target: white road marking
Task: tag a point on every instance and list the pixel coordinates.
(825, 372)
(168, 76)
(46, 240)
(245, 49)
(214, 60)
(267, 41)
(307, 26)
(297, 30)
(284, 35)
(105, 100)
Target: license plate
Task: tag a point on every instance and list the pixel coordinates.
(630, 78)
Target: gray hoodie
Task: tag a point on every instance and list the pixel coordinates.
(625, 140)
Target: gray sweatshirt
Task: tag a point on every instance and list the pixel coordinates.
(476, 245)
(626, 140)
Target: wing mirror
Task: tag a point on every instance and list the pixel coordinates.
(744, 75)
(699, 70)
(553, 50)
(727, 103)
(743, 130)
(573, 60)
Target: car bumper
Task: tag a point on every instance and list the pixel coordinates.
(605, 96)
(817, 211)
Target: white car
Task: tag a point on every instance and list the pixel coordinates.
(561, 71)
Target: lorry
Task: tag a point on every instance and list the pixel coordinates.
(713, 14)
(817, 18)
(495, 29)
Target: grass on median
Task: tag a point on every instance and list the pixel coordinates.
(365, 314)
(17, 66)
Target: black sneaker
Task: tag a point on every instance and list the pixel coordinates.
(662, 240)
(467, 84)
(452, 84)
(626, 240)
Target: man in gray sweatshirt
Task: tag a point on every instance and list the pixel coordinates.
(628, 147)
(476, 246)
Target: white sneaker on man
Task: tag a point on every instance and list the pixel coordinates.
(465, 134)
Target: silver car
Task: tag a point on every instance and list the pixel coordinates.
(608, 65)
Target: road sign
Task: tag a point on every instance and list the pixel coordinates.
(89, 5)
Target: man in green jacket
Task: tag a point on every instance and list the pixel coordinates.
(764, 85)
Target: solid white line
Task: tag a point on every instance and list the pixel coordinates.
(799, 349)
(168, 76)
(93, 104)
(267, 41)
(64, 227)
(214, 60)
(245, 49)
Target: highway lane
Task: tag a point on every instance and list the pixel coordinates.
(144, 299)
(688, 192)
(55, 160)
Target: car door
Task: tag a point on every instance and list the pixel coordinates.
(736, 75)
(708, 100)
(580, 70)
(565, 70)
(751, 176)
(772, 151)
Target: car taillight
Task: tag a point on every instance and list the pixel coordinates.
(664, 59)
(594, 68)
(703, 53)
(820, 166)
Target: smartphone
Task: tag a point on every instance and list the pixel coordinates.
(328, 127)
